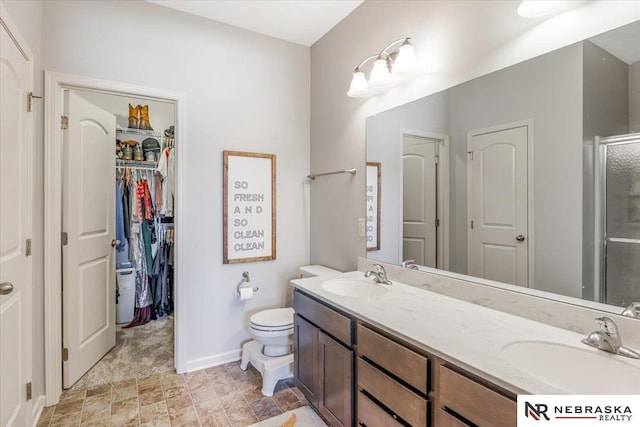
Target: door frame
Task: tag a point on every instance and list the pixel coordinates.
(443, 194)
(530, 187)
(55, 85)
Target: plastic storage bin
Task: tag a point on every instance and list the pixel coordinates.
(127, 290)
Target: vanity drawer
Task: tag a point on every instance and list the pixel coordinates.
(405, 403)
(332, 322)
(475, 402)
(448, 420)
(372, 415)
(406, 364)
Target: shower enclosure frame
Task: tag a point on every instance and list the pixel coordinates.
(600, 229)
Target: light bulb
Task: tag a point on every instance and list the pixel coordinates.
(359, 86)
(406, 62)
(537, 8)
(380, 75)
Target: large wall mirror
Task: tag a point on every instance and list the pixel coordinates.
(528, 176)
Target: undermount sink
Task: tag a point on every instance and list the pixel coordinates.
(574, 370)
(353, 287)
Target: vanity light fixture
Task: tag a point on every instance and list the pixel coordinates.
(537, 8)
(386, 66)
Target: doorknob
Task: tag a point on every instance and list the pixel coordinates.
(520, 238)
(6, 288)
(115, 243)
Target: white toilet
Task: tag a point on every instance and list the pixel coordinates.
(271, 350)
(274, 330)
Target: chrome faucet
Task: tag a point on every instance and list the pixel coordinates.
(379, 275)
(410, 263)
(633, 310)
(608, 339)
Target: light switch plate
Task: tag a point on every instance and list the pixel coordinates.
(361, 227)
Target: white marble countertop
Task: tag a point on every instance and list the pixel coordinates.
(467, 335)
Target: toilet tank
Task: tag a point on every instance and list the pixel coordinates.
(315, 271)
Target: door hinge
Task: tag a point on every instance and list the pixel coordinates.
(65, 354)
(29, 396)
(472, 224)
(437, 159)
(28, 249)
(65, 239)
(30, 97)
(470, 153)
(64, 122)
(437, 223)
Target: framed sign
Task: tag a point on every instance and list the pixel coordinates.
(249, 206)
(373, 205)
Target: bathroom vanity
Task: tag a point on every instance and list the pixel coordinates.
(396, 383)
(406, 356)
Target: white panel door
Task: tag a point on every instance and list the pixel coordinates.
(419, 200)
(88, 266)
(15, 227)
(498, 206)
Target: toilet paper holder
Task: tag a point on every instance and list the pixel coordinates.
(246, 279)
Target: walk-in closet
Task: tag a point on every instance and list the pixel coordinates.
(139, 269)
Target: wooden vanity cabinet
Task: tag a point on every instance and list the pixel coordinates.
(392, 382)
(323, 358)
(396, 384)
(466, 402)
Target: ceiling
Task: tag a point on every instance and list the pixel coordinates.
(297, 21)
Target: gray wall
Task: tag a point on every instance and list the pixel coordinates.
(245, 92)
(384, 145)
(547, 89)
(446, 36)
(606, 113)
(27, 15)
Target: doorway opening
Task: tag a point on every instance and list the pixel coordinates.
(425, 199)
(118, 252)
(113, 181)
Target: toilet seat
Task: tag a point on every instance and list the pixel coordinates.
(279, 329)
(278, 319)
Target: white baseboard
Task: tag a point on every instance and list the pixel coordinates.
(215, 360)
(38, 406)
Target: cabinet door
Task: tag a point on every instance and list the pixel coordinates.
(305, 350)
(336, 381)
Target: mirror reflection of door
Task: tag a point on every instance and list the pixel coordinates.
(498, 204)
(420, 200)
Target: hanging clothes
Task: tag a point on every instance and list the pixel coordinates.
(146, 241)
(166, 169)
(143, 312)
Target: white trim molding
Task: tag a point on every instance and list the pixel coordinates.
(215, 360)
(38, 406)
(55, 86)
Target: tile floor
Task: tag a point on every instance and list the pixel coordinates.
(219, 396)
(140, 351)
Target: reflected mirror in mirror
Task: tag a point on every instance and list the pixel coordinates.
(528, 176)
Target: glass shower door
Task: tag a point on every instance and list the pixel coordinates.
(622, 230)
